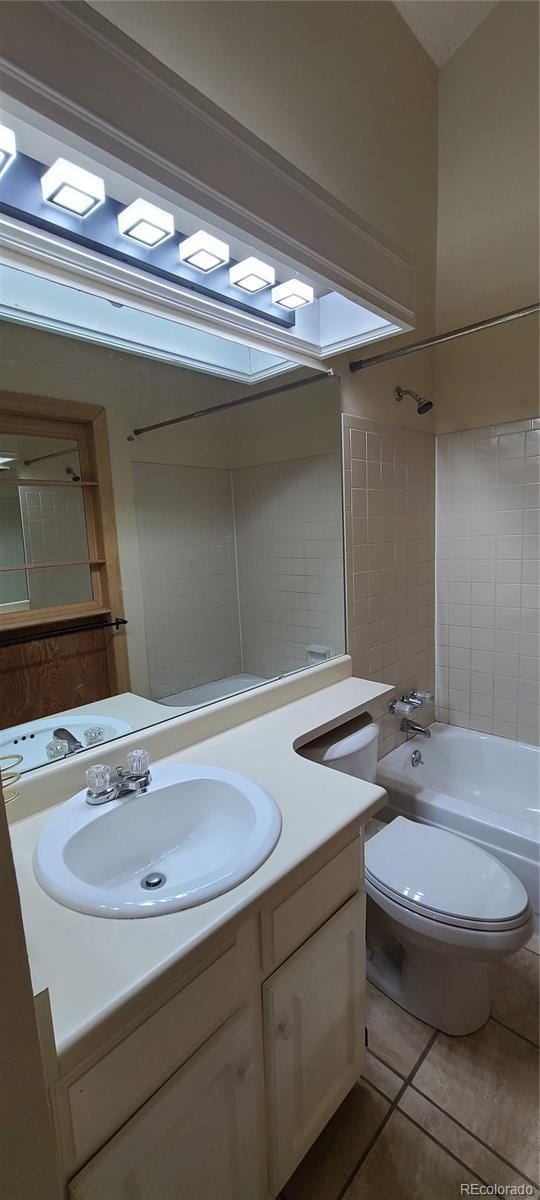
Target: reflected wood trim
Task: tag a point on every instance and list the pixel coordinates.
(70, 411)
(86, 425)
(38, 617)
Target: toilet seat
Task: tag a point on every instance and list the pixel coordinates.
(444, 878)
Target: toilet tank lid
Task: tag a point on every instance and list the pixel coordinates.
(441, 872)
(333, 747)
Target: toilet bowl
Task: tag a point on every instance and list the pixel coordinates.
(439, 909)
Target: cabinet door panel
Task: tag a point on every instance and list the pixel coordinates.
(195, 1139)
(314, 1035)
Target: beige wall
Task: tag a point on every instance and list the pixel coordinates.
(137, 391)
(344, 91)
(488, 220)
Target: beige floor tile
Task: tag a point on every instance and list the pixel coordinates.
(393, 1034)
(489, 1082)
(382, 1077)
(324, 1171)
(515, 993)
(405, 1164)
(487, 1165)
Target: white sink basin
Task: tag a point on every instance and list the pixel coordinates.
(202, 828)
(30, 740)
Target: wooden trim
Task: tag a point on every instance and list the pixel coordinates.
(71, 411)
(61, 613)
(86, 424)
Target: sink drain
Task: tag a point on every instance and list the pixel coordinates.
(155, 880)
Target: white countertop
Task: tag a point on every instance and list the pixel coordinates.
(94, 965)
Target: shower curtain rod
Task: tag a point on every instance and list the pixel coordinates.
(205, 412)
(361, 364)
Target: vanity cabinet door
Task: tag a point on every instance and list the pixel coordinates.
(314, 1036)
(196, 1139)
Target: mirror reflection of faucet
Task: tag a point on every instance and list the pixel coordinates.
(64, 743)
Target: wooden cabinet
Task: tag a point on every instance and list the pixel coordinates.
(196, 1139)
(314, 1036)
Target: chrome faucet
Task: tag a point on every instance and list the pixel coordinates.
(408, 726)
(104, 786)
(63, 735)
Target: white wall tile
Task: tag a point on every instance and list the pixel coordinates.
(488, 515)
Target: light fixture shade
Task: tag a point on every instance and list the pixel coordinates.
(292, 294)
(252, 275)
(204, 252)
(145, 223)
(72, 188)
(8, 147)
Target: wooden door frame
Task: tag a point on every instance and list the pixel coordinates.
(86, 423)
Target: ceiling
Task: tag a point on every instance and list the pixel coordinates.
(441, 26)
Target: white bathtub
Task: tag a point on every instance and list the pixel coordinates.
(484, 787)
(218, 689)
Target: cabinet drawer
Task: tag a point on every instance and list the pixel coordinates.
(106, 1095)
(296, 916)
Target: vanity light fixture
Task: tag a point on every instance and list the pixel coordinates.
(8, 147)
(292, 294)
(145, 223)
(204, 252)
(252, 275)
(72, 188)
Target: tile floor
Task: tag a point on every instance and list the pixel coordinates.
(433, 1112)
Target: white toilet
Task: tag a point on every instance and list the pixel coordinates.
(439, 908)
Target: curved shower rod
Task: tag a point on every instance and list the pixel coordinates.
(360, 364)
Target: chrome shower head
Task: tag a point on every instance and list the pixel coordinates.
(422, 405)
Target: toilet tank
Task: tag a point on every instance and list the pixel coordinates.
(355, 754)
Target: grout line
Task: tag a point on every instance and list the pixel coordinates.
(446, 1149)
(474, 1136)
(515, 1032)
(392, 1107)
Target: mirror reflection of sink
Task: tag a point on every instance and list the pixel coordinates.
(194, 834)
(31, 739)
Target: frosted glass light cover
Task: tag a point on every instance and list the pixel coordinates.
(292, 294)
(252, 275)
(72, 188)
(145, 223)
(204, 252)
(8, 147)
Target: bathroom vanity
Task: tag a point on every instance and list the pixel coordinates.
(200, 1053)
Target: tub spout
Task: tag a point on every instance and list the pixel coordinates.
(412, 727)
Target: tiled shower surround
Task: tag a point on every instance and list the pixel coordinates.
(241, 570)
(488, 525)
(389, 489)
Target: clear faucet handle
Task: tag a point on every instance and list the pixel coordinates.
(58, 748)
(98, 778)
(138, 762)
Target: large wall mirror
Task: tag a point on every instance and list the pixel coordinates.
(218, 539)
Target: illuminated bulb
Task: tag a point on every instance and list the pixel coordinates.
(8, 147)
(72, 188)
(292, 294)
(252, 275)
(204, 252)
(145, 223)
